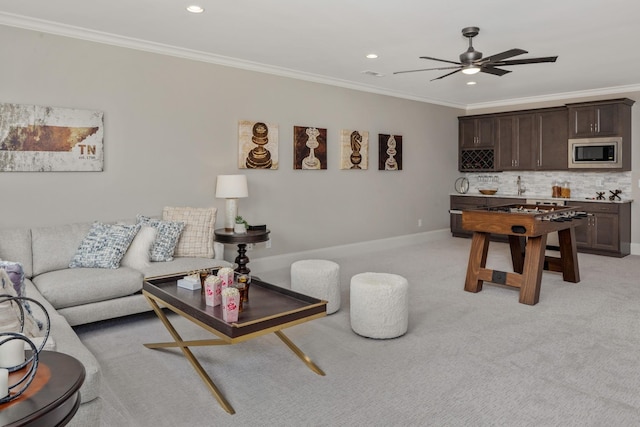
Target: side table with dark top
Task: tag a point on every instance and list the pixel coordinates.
(242, 240)
(52, 398)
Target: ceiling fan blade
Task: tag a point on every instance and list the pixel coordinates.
(494, 71)
(526, 61)
(441, 60)
(425, 69)
(448, 74)
(503, 55)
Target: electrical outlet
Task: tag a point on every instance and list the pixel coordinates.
(420, 222)
(249, 246)
(268, 244)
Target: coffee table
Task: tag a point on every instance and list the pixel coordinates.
(53, 397)
(271, 310)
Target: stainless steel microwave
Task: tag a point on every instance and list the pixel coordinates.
(595, 153)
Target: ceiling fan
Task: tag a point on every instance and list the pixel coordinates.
(472, 62)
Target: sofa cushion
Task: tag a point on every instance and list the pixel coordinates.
(15, 245)
(166, 239)
(76, 286)
(104, 246)
(54, 247)
(137, 256)
(196, 239)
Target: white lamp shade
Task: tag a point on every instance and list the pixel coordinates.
(231, 187)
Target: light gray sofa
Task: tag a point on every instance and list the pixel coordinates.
(74, 296)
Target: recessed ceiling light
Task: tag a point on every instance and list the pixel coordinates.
(372, 56)
(471, 83)
(195, 9)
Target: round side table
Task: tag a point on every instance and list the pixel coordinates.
(242, 240)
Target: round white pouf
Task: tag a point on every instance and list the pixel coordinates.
(379, 305)
(317, 278)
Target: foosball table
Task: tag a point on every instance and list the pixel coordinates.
(527, 227)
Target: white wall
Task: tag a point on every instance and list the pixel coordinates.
(171, 127)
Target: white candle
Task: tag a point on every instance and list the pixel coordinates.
(11, 353)
(4, 382)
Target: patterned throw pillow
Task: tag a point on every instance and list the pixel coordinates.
(104, 246)
(15, 272)
(10, 313)
(196, 239)
(166, 238)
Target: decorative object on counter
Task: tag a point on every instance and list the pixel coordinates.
(231, 188)
(240, 227)
(488, 191)
(556, 190)
(462, 185)
(212, 291)
(521, 187)
(565, 191)
(600, 195)
(615, 195)
(230, 304)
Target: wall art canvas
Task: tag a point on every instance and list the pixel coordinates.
(309, 148)
(50, 139)
(257, 145)
(389, 152)
(354, 149)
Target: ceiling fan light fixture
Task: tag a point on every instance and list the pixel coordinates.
(471, 69)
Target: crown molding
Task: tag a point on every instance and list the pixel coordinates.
(55, 28)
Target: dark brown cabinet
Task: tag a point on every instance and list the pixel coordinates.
(600, 118)
(550, 149)
(476, 132)
(515, 138)
(607, 230)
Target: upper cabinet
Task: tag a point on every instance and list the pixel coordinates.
(550, 140)
(600, 118)
(514, 139)
(476, 132)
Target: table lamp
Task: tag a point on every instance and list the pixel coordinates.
(231, 188)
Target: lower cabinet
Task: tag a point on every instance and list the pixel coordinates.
(607, 230)
(460, 203)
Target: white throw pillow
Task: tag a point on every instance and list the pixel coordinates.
(139, 252)
(196, 239)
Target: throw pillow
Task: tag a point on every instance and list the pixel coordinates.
(168, 233)
(139, 252)
(104, 246)
(15, 272)
(10, 312)
(196, 239)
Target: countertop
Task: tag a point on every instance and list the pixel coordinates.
(538, 197)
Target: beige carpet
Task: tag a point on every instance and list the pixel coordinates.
(467, 359)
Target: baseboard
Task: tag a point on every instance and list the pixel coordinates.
(285, 260)
(635, 249)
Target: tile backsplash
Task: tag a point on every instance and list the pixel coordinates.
(538, 184)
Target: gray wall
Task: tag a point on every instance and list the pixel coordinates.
(171, 128)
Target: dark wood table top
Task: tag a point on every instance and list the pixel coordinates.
(251, 236)
(53, 397)
(269, 306)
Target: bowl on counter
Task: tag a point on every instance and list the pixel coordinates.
(489, 191)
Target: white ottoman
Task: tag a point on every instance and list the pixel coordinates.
(379, 305)
(317, 278)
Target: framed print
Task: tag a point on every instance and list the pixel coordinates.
(50, 139)
(257, 145)
(389, 152)
(354, 149)
(309, 148)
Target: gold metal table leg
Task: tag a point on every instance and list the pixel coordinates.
(189, 355)
(299, 353)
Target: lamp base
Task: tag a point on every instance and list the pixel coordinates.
(230, 212)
